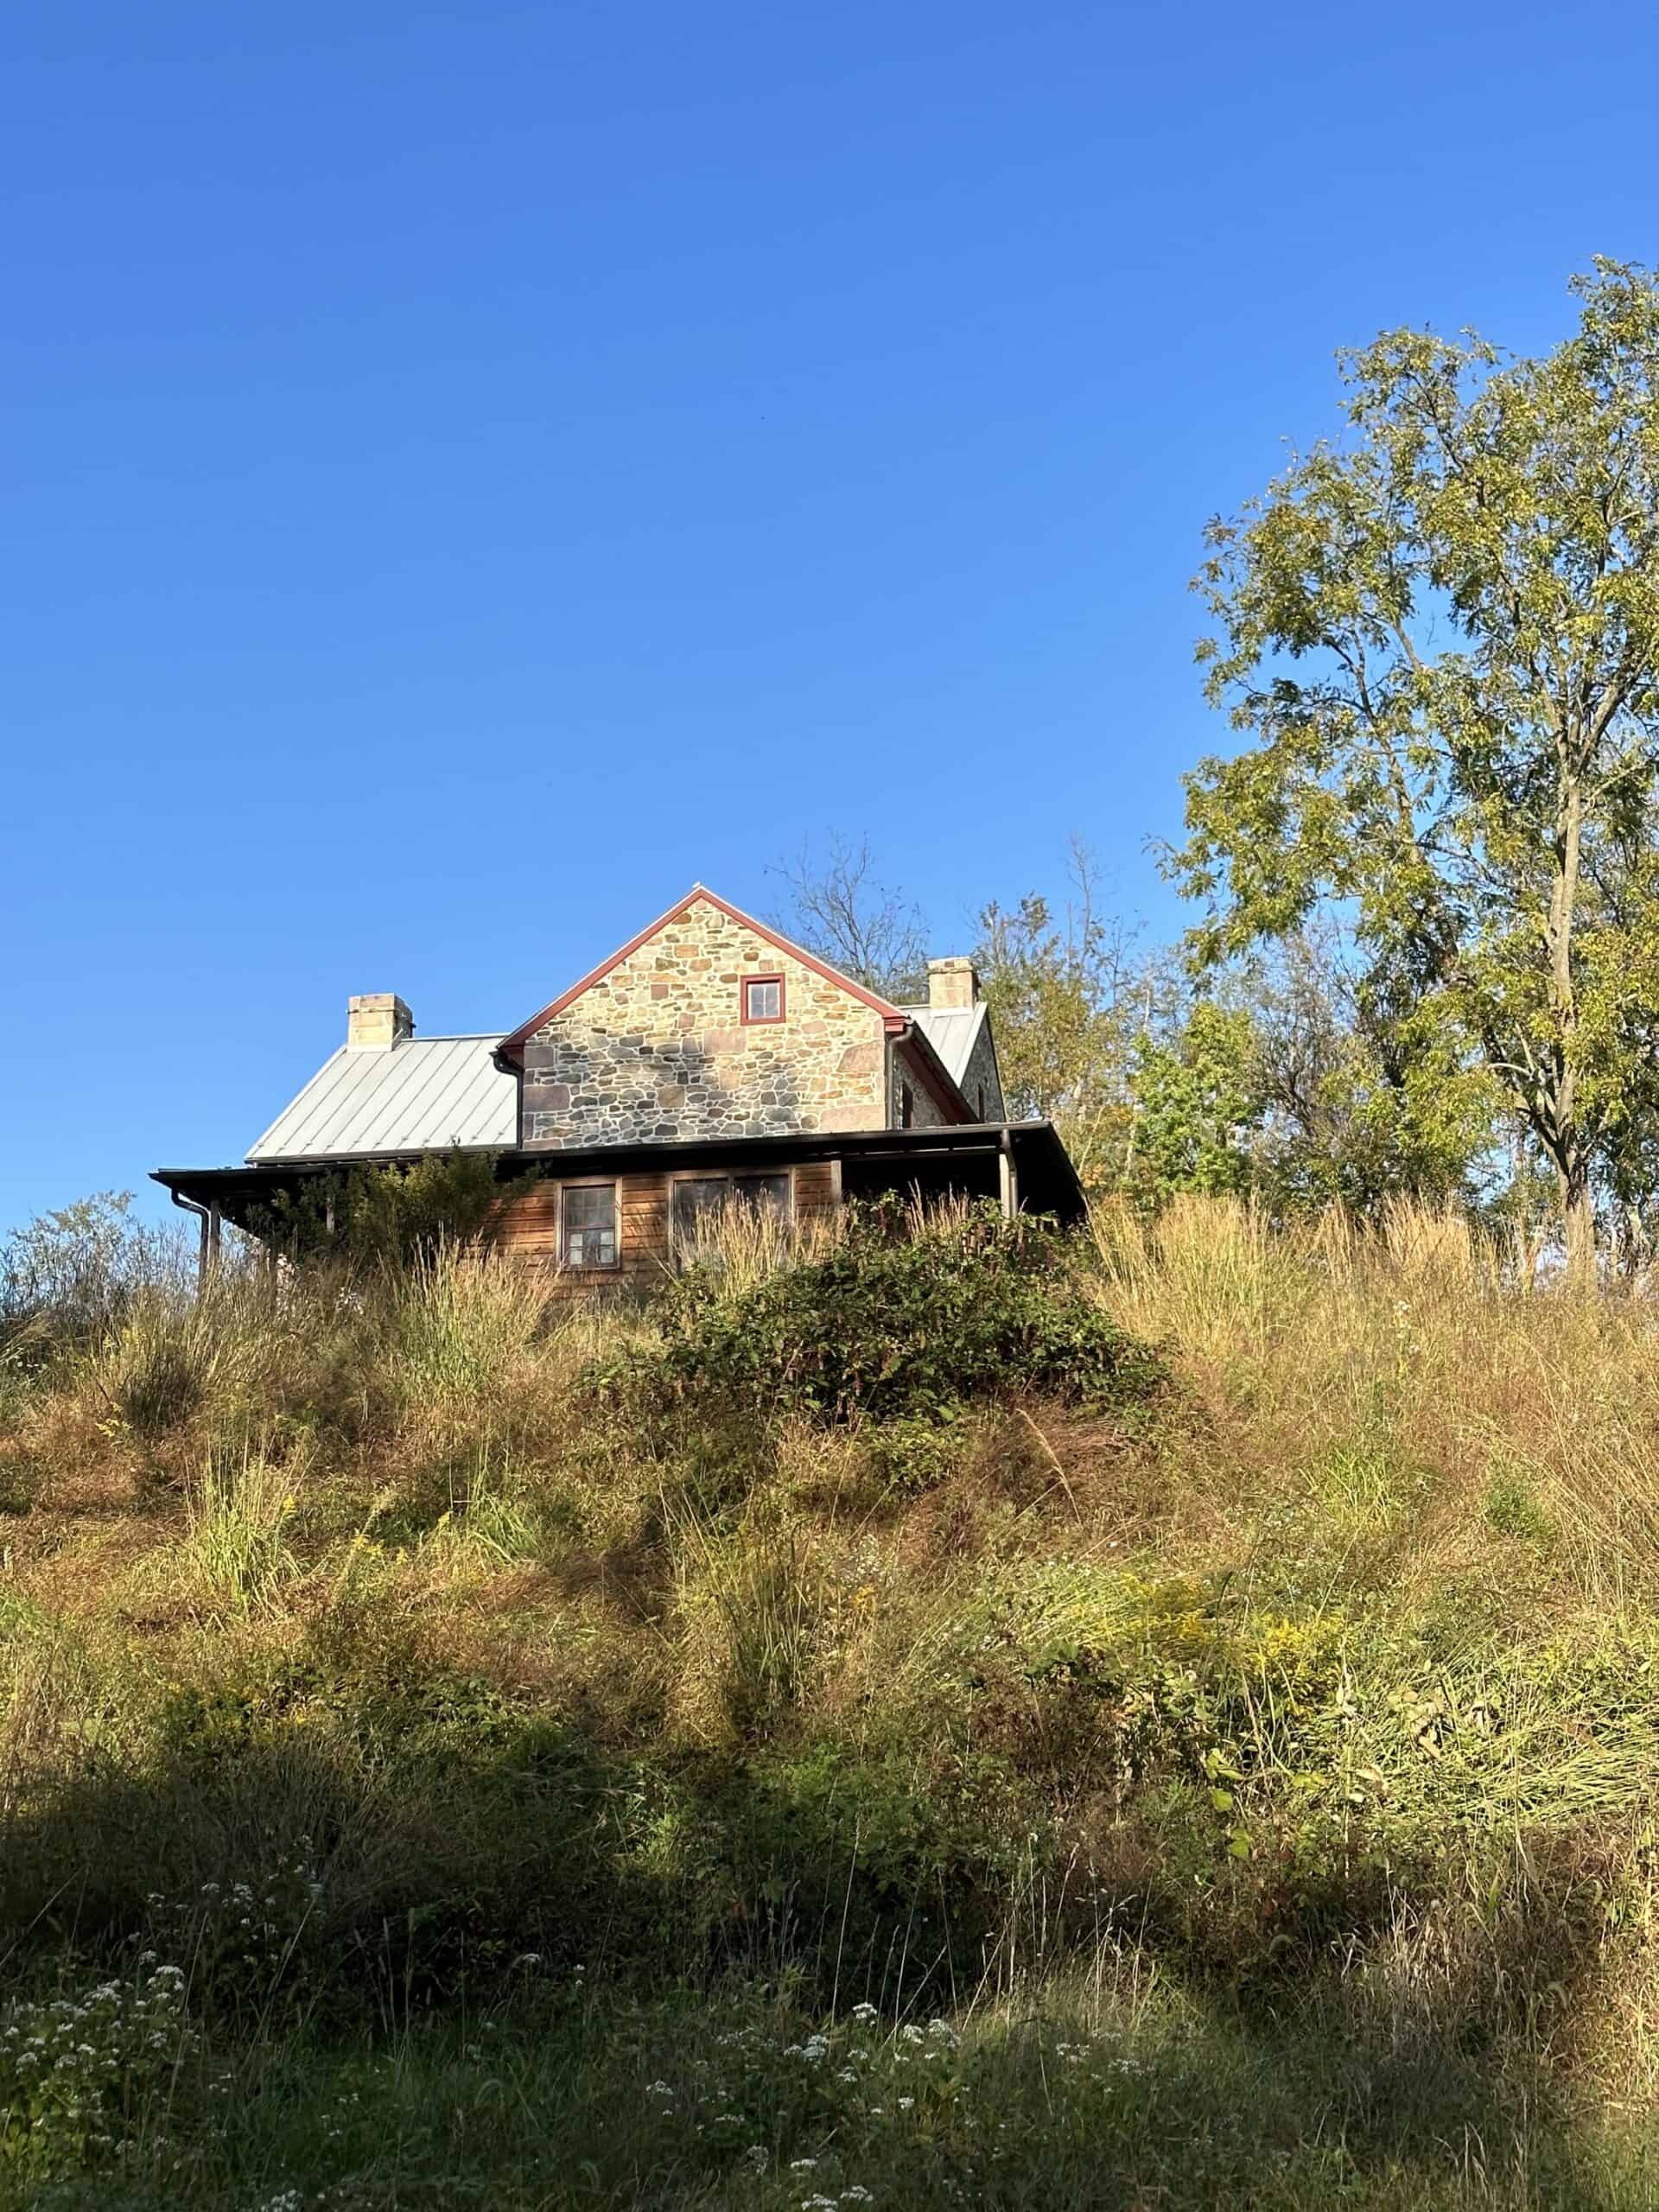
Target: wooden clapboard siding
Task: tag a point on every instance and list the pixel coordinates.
(817, 1187)
(643, 1203)
(529, 1228)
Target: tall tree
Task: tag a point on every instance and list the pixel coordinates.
(1352, 1110)
(840, 909)
(1443, 636)
(1066, 999)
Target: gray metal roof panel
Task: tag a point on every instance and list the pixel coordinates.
(952, 1031)
(423, 1094)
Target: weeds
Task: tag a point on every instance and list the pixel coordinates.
(629, 1730)
(237, 1515)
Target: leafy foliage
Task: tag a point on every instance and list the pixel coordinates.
(891, 1326)
(386, 1214)
(76, 2073)
(1066, 1003)
(1444, 637)
(70, 1273)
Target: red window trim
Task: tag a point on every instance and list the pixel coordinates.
(511, 1047)
(763, 1020)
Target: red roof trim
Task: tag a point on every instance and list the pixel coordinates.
(514, 1043)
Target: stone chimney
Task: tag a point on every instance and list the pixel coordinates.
(952, 983)
(377, 1021)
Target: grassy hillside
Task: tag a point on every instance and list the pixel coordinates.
(1161, 1718)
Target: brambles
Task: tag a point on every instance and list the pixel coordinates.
(901, 1321)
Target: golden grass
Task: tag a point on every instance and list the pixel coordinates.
(1389, 1488)
(1297, 1342)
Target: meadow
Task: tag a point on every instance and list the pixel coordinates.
(964, 1717)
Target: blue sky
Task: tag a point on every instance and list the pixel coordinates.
(471, 471)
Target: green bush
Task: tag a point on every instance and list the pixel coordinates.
(385, 1215)
(69, 1277)
(77, 2073)
(890, 1326)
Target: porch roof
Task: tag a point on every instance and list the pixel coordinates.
(1048, 1181)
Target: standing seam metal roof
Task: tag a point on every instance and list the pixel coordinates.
(424, 1094)
(421, 1094)
(952, 1031)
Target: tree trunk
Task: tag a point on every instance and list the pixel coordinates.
(1579, 1218)
(1578, 1208)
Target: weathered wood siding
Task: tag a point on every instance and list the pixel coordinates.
(529, 1229)
(817, 1187)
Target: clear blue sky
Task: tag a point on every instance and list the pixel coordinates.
(471, 471)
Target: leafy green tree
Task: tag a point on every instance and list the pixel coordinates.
(384, 1215)
(1353, 1112)
(1197, 1107)
(1443, 636)
(1066, 1002)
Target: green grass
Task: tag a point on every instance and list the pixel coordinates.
(566, 2097)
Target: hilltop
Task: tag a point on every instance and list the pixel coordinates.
(965, 1716)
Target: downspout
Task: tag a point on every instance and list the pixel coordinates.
(1007, 1181)
(208, 1253)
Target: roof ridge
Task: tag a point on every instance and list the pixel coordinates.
(515, 1039)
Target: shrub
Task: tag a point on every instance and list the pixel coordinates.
(889, 1326)
(386, 1214)
(67, 1275)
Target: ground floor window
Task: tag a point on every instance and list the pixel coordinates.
(697, 1198)
(589, 1232)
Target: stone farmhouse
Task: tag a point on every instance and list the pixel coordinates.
(708, 1061)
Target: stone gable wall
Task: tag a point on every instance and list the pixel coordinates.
(981, 1069)
(925, 1111)
(657, 1047)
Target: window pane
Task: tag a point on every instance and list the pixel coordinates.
(590, 1226)
(765, 1193)
(696, 1200)
(766, 1002)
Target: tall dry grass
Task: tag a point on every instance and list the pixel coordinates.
(1417, 1335)
(744, 1244)
(1332, 1653)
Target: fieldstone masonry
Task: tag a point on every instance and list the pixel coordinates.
(982, 1082)
(657, 1047)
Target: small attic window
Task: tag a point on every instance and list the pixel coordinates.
(763, 998)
